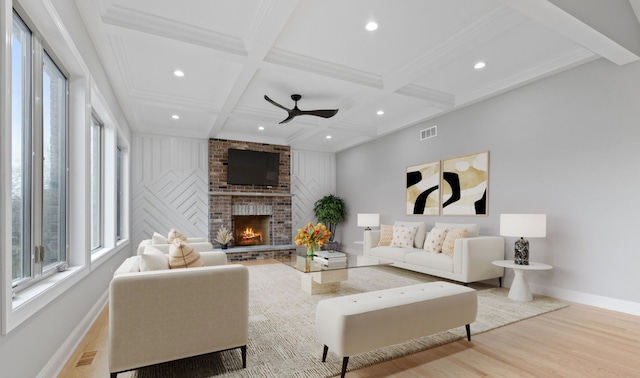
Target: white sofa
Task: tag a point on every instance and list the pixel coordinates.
(164, 315)
(471, 260)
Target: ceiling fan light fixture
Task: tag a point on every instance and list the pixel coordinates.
(371, 26)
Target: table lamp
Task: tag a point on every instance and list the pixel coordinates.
(368, 220)
(523, 226)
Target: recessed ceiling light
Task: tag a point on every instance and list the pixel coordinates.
(260, 127)
(479, 65)
(328, 136)
(175, 116)
(178, 73)
(380, 112)
(371, 26)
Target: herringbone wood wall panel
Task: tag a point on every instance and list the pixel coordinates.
(169, 186)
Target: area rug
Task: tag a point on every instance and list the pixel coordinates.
(282, 335)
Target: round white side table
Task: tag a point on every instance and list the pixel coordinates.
(520, 287)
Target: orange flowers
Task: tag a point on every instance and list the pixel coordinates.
(313, 237)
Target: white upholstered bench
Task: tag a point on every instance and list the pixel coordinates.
(358, 323)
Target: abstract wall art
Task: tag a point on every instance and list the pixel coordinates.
(423, 184)
(465, 181)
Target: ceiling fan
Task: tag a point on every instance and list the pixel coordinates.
(324, 113)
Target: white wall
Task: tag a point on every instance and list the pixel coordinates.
(567, 146)
(170, 185)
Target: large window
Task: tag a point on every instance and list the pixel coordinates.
(96, 184)
(118, 193)
(39, 158)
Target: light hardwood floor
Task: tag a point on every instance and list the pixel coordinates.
(577, 341)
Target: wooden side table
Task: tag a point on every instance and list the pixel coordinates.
(520, 287)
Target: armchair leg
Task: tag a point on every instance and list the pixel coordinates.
(345, 361)
(324, 353)
(468, 328)
(243, 349)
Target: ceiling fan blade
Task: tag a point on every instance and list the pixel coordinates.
(324, 113)
(276, 104)
(289, 118)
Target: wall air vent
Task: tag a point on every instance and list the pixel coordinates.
(431, 132)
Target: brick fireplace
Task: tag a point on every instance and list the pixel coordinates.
(264, 209)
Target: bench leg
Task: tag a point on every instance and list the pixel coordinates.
(243, 349)
(468, 328)
(345, 362)
(324, 353)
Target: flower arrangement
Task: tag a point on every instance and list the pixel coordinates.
(224, 236)
(313, 237)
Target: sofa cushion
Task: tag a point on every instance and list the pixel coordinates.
(472, 228)
(389, 253)
(421, 233)
(157, 238)
(438, 261)
(153, 259)
(386, 235)
(182, 255)
(175, 234)
(434, 240)
(403, 236)
(450, 239)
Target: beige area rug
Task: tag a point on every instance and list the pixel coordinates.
(282, 335)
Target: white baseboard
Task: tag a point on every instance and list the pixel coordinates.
(608, 303)
(64, 353)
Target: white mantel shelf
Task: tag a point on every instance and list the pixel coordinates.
(250, 194)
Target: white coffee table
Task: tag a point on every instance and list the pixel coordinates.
(520, 287)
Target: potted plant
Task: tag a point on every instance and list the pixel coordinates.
(224, 237)
(330, 210)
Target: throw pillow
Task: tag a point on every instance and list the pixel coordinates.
(153, 259)
(450, 240)
(175, 234)
(403, 236)
(434, 240)
(472, 228)
(156, 238)
(386, 235)
(421, 232)
(182, 255)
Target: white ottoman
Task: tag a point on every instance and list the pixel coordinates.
(358, 323)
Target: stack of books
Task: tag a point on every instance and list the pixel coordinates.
(331, 259)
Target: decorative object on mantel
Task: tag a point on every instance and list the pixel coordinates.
(224, 237)
(368, 220)
(465, 185)
(523, 225)
(313, 237)
(330, 210)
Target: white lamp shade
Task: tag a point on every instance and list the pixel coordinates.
(368, 220)
(523, 225)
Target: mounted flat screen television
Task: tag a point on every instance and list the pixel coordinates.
(246, 167)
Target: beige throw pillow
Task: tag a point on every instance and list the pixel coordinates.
(434, 240)
(403, 236)
(421, 232)
(183, 255)
(175, 234)
(153, 259)
(450, 240)
(386, 235)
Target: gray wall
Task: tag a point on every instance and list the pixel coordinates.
(567, 146)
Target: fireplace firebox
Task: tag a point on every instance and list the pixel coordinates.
(251, 230)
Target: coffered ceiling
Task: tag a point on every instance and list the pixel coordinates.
(418, 64)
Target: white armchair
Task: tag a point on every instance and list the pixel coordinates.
(164, 315)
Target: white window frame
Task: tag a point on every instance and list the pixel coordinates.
(96, 125)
